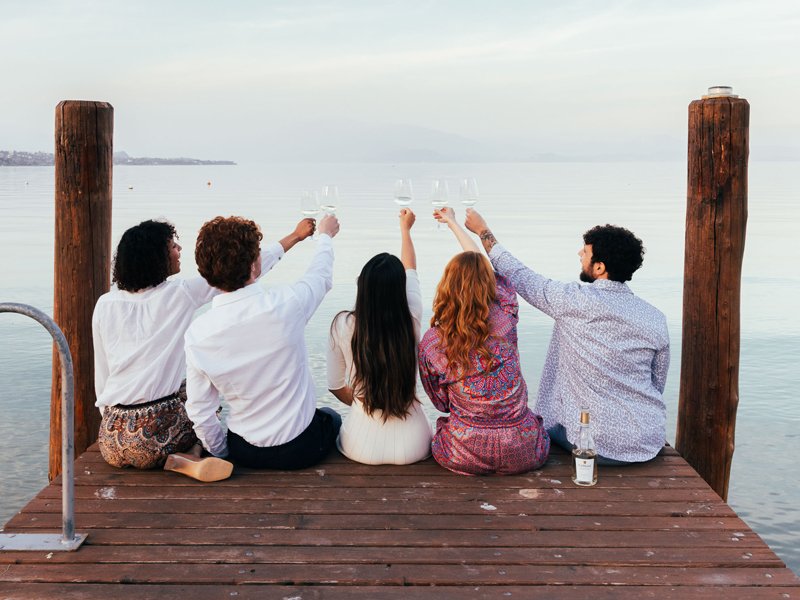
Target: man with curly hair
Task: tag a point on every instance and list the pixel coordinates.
(609, 351)
(250, 349)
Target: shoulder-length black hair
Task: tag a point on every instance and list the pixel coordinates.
(383, 344)
(142, 257)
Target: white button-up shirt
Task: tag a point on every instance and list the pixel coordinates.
(609, 352)
(138, 337)
(250, 348)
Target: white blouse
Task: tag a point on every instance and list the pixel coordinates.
(368, 439)
(138, 337)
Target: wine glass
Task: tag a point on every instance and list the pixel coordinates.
(440, 196)
(309, 204)
(403, 192)
(469, 192)
(330, 198)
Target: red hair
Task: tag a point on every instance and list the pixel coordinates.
(461, 309)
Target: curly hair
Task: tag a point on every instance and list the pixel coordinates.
(225, 251)
(142, 257)
(461, 309)
(616, 247)
(383, 344)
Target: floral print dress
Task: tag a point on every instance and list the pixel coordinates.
(490, 428)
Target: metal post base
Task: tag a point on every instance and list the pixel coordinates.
(52, 542)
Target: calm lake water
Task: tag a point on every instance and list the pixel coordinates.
(538, 211)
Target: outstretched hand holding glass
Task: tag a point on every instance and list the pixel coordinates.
(440, 197)
(447, 216)
(469, 192)
(330, 199)
(403, 192)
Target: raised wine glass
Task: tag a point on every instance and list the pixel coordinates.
(309, 204)
(440, 197)
(403, 192)
(469, 192)
(330, 198)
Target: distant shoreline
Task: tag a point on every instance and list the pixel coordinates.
(46, 159)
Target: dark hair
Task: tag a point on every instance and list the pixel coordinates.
(142, 257)
(383, 344)
(226, 250)
(616, 247)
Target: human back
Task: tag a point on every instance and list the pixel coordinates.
(609, 352)
(372, 364)
(137, 330)
(470, 368)
(250, 349)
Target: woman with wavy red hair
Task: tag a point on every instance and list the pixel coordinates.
(469, 366)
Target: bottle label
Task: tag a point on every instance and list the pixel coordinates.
(584, 470)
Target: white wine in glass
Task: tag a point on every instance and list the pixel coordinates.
(309, 204)
(440, 197)
(403, 192)
(469, 192)
(330, 198)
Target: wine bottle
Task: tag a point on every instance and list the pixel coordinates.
(584, 456)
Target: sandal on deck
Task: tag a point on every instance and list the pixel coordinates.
(203, 469)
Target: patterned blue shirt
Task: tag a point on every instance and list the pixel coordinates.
(609, 352)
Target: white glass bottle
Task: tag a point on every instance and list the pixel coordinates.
(584, 456)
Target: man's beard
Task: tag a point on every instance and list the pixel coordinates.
(586, 277)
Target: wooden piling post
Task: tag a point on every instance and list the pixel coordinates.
(83, 169)
(716, 219)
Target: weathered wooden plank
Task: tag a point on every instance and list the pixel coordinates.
(330, 478)
(395, 574)
(430, 538)
(129, 591)
(557, 456)
(392, 506)
(52, 521)
(565, 493)
(238, 554)
(336, 461)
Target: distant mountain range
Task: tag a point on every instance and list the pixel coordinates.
(13, 158)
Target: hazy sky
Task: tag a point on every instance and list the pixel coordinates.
(238, 79)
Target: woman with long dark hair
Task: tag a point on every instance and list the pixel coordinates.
(372, 361)
(469, 366)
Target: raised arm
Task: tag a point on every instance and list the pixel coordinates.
(447, 215)
(477, 225)
(318, 278)
(408, 255)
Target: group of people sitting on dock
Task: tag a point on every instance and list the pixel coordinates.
(160, 375)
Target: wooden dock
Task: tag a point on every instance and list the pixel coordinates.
(343, 530)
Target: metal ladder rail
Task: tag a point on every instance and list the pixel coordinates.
(68, 540)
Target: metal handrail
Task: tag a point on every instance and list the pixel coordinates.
(69, 540)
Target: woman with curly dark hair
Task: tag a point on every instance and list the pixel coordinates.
(138, 330)
(372, 361)
(469, 366)
(250, 349)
